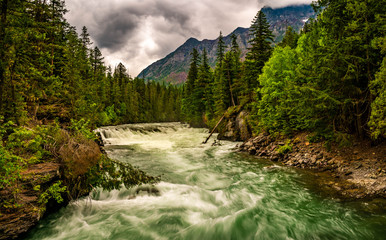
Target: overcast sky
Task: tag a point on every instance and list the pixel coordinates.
(139, 32)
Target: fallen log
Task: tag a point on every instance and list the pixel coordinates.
(218, 123)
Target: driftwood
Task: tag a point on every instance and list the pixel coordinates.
(214, 129)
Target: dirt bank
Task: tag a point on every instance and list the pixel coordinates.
(356, 172)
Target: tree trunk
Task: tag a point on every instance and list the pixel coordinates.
(230, 89)
(214, 128)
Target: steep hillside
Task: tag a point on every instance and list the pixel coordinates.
(174, 67)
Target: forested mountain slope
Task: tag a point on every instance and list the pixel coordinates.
(174, 67)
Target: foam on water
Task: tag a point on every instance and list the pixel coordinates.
(206, 192)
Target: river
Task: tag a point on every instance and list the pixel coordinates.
(206, 192)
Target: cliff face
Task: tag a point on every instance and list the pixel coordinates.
(175, 66)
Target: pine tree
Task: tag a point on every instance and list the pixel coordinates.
(290, 38)
(85, 36)
(202, 95)
(261, 41)
(193, 72)
(220, 49)
(259, 53)
(236, 84)
(97, 64)
(188, 110)
(348, 59)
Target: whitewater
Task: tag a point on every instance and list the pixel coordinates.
(205, 192)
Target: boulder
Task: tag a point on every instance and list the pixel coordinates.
(236, 128)
(242, 126)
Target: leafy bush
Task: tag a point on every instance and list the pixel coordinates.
(55, 191)
(82, 127)
(377, 121)
(9, 168)
(286, 148)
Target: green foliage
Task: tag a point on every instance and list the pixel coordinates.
(208, 94)
(27, 143)
(278, 93)
(377, 122)
(55, 192)
(82, 127)
(321, 84)
(286, 148)
(290, 38)
(10, 166)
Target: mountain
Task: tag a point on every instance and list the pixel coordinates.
(174, 67)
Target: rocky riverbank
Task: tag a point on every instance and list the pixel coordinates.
(357, 172)
(13, 223)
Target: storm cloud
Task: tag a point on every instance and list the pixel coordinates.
(139, 32)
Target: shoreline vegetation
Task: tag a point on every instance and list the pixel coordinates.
(356, 170)
(55, 166)
(315, 100)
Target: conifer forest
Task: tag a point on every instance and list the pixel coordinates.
(57, 92)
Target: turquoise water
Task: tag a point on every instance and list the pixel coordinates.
(206, 192)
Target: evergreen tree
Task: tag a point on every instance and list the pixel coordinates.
(259, 52)
(202, 96)
(220, 49)
(261, 40)
(85, 36)
(236, 85)
(348, 59)
(193, 72)
(290, 38)
(187, 107)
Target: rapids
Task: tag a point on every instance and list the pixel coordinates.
(206, 192)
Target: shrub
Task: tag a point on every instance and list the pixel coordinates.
(286, 148)
(9, 168)
(82, 127)
(55, 191)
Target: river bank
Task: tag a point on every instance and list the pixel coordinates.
(30, 210)
(356, 172)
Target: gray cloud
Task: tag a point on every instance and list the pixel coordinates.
(139, 32)
(114, 30)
